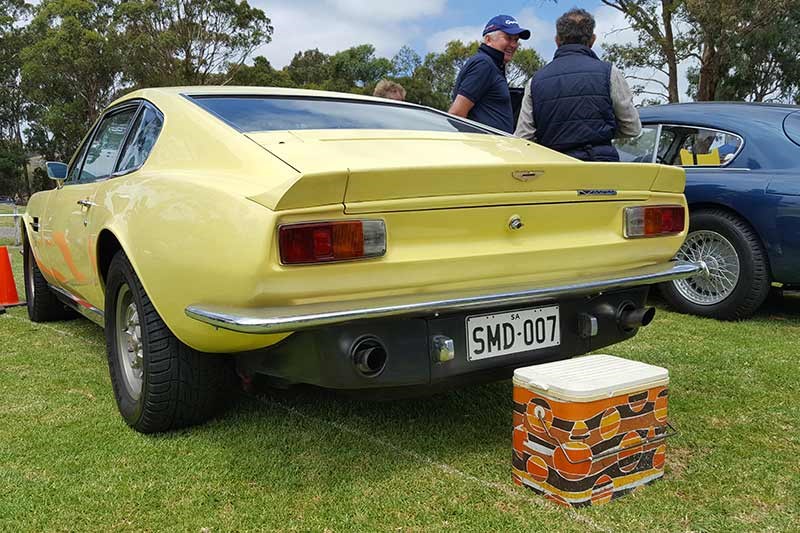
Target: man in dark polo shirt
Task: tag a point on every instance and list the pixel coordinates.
(481, 92)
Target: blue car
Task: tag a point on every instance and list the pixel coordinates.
(742, 164)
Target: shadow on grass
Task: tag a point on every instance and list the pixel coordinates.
(476, 416)
(779, 304)
(336, 439)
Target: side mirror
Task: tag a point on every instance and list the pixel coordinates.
(56, 171)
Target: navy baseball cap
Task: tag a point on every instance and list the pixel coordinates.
(508, 24)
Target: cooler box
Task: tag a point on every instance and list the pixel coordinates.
(590, 429)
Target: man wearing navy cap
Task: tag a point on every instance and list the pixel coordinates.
(481, 91)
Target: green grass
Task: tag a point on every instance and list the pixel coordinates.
(310, 461)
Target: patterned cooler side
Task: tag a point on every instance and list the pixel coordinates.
(606, 447)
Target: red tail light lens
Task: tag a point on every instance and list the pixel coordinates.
(654, 220)
(322, 242)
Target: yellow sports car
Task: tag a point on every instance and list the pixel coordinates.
(336, 240)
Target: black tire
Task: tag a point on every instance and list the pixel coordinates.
(43, 304)
(179, 386)
(752, 286)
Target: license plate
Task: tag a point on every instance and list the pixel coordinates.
(512, 332)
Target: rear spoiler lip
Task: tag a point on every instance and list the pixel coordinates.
(292, 318)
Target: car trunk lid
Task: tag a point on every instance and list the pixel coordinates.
(409, 170)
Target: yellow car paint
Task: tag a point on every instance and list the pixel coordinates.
(198, 221)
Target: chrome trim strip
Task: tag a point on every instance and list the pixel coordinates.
(285, 319)
(92, 313)
(658, 141)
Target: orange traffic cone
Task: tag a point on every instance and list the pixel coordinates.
(8, 289)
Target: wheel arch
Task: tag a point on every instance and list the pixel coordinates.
(107, 246)
(29, 244)
(706, 206)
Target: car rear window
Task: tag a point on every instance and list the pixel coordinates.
(252, 113)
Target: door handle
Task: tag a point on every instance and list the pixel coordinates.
(86, 203)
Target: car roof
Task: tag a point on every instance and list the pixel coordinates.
(249, 90)
(728, 115)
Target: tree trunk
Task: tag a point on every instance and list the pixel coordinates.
(709, 73)
(669, 50)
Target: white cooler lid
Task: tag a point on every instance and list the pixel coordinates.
(590, 378)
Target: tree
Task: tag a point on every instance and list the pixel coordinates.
(719, 25)
(357, 67)
(524, 65)
(260, 73)
(310, 69)
(12, 159)
(659, 48)
(180, 42)
(71, 70)
(405, 62)
(764, 65)
(13, 164)
(711, 32)
(418, 89)
(442, 69)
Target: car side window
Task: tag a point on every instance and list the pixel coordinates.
(702, 147)
(102, 153)
(639, 149)
(143, 136)
(77, 162)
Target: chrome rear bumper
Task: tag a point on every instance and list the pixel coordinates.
(289, 318)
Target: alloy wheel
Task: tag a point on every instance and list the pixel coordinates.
(130, 349)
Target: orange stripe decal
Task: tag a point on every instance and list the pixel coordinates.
(61, 242)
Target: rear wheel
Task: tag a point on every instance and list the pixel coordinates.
(43, 305)
(159, 383)
(737, 282)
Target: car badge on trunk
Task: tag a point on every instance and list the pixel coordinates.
(526, 175)
(597, 192)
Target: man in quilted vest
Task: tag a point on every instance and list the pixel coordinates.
(577, 104)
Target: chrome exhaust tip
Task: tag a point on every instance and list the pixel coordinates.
(369, 356)
(630, 317)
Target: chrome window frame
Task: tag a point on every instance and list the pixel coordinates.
(655, 146)
(140, 104)
(698, 127)
(144, 105)
(78, 156)
(95, 128)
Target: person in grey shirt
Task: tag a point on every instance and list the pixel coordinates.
(577, 103)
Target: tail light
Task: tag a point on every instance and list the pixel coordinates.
(324, 242)
(654, 220)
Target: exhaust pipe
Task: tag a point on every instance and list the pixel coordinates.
(630, 317)
(369, 356)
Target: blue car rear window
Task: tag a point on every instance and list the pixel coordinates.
(791, 125)
(255, 113)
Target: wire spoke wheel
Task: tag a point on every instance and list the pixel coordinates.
(723, 263)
